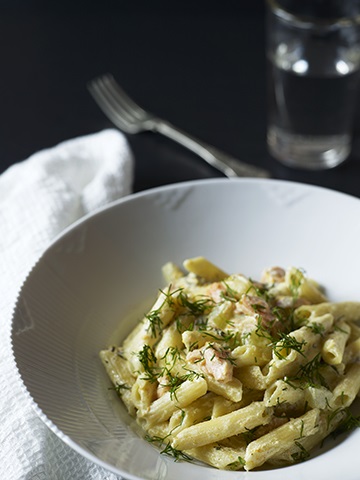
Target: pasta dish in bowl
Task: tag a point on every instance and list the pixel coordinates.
(227, 368)
(240, 373)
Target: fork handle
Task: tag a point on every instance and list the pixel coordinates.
(229, 166)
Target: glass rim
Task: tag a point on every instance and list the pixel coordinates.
(305, 21)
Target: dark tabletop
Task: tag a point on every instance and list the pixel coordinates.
(200, 65)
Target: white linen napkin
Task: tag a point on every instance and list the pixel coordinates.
(39, 197)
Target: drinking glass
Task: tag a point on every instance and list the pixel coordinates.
(313, 55)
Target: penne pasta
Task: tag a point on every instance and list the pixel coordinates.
(222, 427)
(334, 346)
(236, 373)
(280, 439)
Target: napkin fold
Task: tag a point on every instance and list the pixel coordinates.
(39, 198)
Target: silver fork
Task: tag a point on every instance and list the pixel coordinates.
(131, 118)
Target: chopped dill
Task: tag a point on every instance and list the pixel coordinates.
(249, 435)
(239, 463)
(171, 356)
(195, 307)
(302, 454)
(262, 332)
(301, 430)
(287, 343)
(281, 314)
(173, 382)
(182, 324)
(258, 307)
(349, 422)
(168, 449)
(260, 289)
(339, 329)
(119, 387)
(155, 322)
(230, 294)
(175, 453)
(229, 338)
(317, 328)
(148, 360)
(308, 375)
(201, 323)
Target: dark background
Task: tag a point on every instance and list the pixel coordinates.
(200, 65)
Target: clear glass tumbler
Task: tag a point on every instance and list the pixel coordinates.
(313, 55)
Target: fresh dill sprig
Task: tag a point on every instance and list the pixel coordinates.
(249, 435)
(317, 328)
(263, 332)
(173, 382)
(195, 307)
(230, 294)
(349, 422)
(168, 449)
(260, 289)
(175, 453)
(230, 339)
(148, 360)
(154, 316)
(309, 375)
(282, 315)
(301, 431)
(155, 322)
(302, 454)
(287, 343)
(237, 465)
(171, 357)
(119, 387)
(201, 323)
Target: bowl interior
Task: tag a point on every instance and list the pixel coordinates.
(101, 276)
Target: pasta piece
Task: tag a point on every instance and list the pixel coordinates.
(159, 431)
(199, 410)
(246, 355)
(223, 406)
(143, 393)
(281, 439)
(220, 456)
(119, 373)
(220, 315)
(301, 447)
(347, 389)
(222, 427)
(232, 390)
(170, 342)
(162, 408)
(252, 377)
(281, 392)
(348, 310)
(302, 287)
(318, 397)
(352, 351)
(171, 272)
(159, 316)
(304, 346)
(201, 267)
(334, 345)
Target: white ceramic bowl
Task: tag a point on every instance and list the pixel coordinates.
(101, 275)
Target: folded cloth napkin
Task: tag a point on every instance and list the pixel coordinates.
(39, 197)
